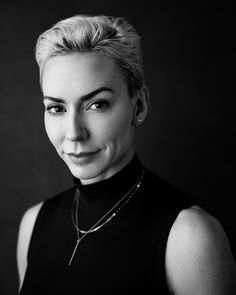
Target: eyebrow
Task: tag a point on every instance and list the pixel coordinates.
(83, 97)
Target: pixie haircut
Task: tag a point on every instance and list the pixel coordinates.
(113, 37)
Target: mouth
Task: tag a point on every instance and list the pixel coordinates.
(82, 154)
(82, 157)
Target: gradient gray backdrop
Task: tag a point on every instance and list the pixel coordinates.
(188, 137)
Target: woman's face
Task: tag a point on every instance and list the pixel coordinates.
(88, 114)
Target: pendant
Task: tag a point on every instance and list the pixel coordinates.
(73, 254)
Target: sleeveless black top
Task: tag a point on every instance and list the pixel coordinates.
(125, 256)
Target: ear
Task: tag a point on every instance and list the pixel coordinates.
(141, 104)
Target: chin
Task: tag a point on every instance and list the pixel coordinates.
(97, 168)
(89, 173)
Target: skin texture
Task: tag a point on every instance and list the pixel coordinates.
(84, 122)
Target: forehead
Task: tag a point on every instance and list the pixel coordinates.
(77, 74)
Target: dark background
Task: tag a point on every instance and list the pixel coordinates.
(188, 137)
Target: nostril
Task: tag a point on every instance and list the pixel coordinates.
(76, 133)
(75, 128)
(77, 136)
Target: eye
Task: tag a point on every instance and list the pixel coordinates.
(54, 109)
(99, 105)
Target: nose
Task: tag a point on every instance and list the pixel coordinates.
(75, 127)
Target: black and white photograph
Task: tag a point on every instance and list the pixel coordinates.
(117, 148)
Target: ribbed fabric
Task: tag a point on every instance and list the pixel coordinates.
(126, 256)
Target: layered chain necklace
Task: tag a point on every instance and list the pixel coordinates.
(101, 222)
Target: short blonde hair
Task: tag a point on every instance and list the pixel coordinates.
(110, 36)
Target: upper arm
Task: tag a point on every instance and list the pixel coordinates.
(24, 236)
(198, 256)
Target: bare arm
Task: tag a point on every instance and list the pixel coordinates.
(24, 236)
(199, 260)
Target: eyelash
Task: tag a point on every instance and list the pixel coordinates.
(99, 102)
(51, 108)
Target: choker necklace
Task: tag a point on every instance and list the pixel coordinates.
(99, 224)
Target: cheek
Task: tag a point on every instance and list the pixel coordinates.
(114, 129)
(54, 132)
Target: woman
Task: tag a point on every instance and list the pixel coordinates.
(121, 228)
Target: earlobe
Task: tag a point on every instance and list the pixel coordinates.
(138, 121)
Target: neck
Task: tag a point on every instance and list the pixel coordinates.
(106, 192)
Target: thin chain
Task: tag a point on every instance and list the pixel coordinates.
(96, 227)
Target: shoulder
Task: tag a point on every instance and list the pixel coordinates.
(28, 221)
(198, 255)
(24, 236)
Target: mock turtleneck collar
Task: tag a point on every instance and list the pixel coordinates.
(112, 188)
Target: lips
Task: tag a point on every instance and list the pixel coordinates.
(82, 158)
(82, 154)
